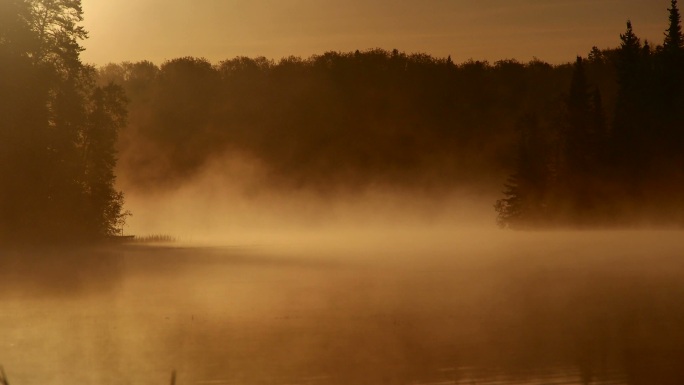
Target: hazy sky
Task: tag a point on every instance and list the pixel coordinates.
(552, 30)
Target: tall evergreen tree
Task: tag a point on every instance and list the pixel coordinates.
(525, 193)
(674, 41)
(671, 85)
(579, 149)
(632, 131)
(671, 111)
(672, 60)
(629, 64)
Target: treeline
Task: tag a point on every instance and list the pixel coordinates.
(337, 120)
(58, 130)
(596, 142)
(591, 168)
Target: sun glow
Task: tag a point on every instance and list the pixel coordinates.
(217, 30)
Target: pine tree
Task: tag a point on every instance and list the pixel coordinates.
(629, 62)
(581, 161)
(671, 110)
(671, 83)
(674, 41)
(524, 203)
(631, 132)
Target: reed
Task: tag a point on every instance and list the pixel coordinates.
(3, 377)
(154, 238)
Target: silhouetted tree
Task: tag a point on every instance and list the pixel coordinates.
(106, 116)
(633, 171)
(581, 157)
(670, 115)
(672, 83)
(631, 139)
(361, 118)
(674, 42)
(49, 151)
(525, 195)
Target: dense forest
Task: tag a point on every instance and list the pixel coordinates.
(333, 121)
(594, 143)
(58, 130)
(590, 168)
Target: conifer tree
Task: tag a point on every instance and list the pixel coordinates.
(671, 109)
(629, 63)
(631, 132)
(671, 84)
(580, 164)
(524, 203)
(674, 41)
(578, 146)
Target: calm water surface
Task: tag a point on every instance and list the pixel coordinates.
(536, 309)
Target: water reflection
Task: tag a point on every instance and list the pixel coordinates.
(55, 272)
(232, 316)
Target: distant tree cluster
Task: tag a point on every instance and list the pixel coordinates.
(337, 120)
(58, 130)
(588, 168)
(597, 142)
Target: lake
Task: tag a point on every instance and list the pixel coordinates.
(446, 308)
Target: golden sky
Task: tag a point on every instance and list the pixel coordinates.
(552, 30)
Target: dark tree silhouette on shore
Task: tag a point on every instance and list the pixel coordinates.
(672, 87)
(631, 129)
(333, 121)
(631, 173)
(526, 193)
(599, 142)
(674, 42)
(58, 129)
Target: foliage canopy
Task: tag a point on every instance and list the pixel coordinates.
(58, 130)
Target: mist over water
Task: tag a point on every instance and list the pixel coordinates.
(382, 286)
(234, 201)
(389, 300)
(269, 284)
(331, 219)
